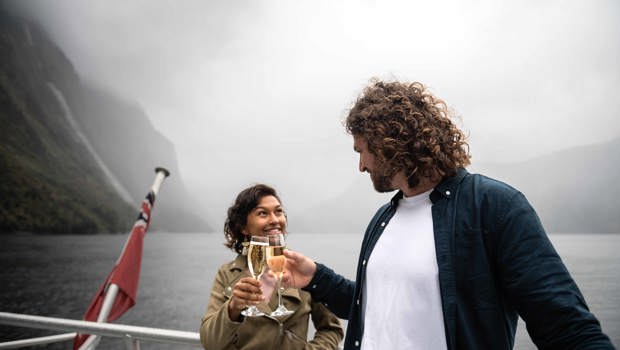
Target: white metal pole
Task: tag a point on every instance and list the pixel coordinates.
(16, 344)
(161, 174)
(121, 331)
(91, 342)
(132, 344)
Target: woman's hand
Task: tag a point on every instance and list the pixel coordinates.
(298, 271)
(246, 292)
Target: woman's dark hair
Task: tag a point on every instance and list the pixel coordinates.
(238, 214)
(408, 129)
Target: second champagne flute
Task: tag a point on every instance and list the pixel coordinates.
(257, 260)
(276, 261)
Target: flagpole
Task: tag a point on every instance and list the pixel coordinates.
(112, 291)
(161, 174)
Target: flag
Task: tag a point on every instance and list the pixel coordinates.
(125, 274)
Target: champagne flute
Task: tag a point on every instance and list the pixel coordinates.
(256, 262)
(276, 261)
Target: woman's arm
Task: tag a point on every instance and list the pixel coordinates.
(217, 330)
(328, 333)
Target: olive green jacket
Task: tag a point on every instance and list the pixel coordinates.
(219, 332)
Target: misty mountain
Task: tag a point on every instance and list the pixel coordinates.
(573, 191)
(76, 157)
(73, 156)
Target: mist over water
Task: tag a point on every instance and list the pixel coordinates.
(58, 275)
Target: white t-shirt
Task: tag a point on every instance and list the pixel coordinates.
(402, 301)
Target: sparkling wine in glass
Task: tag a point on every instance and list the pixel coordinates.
(257, 261)
(276, 261)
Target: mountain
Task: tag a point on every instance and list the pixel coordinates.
(74, 157)
(573, 191)
(349, 212)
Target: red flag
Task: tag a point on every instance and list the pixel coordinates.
(125, 274)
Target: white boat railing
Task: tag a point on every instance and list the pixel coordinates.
(132, 334)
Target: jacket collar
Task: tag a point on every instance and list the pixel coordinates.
(448, 186)
(445, 189)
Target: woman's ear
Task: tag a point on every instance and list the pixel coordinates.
(245, 244)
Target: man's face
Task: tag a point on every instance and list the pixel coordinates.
(372, 165)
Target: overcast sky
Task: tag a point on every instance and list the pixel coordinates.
(256, 90)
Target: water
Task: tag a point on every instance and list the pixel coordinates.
(58, 275)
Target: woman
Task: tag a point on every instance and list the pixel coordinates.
(258, 211)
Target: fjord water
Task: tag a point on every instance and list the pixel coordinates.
(58, 275)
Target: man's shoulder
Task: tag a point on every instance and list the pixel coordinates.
(488, 184)
(485, 190)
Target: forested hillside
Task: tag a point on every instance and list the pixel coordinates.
(75, 158)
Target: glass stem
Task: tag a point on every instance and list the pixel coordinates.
(279, 293)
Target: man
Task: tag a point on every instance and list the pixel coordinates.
(453, 259)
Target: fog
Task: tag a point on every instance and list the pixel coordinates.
(255, 91)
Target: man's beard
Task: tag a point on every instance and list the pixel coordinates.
(382, 182)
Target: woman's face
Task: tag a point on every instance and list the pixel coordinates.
(267, 218)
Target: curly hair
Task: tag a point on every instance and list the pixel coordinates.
(408, 129)
(238, 214)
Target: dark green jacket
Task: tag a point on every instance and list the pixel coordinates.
(495, 262)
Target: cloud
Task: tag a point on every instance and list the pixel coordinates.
(256, 90)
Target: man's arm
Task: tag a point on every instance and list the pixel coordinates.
(325, 286)
(540, 286)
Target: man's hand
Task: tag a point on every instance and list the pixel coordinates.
(298, 271)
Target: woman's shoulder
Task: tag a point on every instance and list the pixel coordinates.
(238, 264)
(230, 272)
